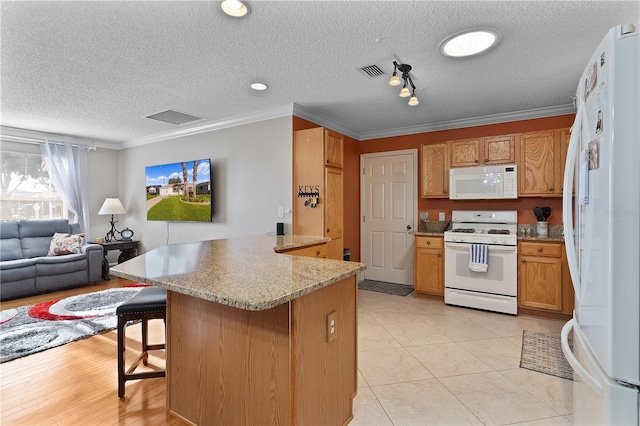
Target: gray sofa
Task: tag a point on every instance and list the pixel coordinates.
(25, 268)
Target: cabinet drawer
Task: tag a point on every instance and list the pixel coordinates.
(429, 242)
(312, 251)
(540, 249)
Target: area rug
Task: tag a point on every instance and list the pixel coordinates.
(543, 353)
(30, 329)
(384, 287)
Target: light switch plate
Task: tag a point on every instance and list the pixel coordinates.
(441, 216)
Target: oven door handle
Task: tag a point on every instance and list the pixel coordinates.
(492, 248)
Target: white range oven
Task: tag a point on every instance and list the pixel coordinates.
(496, 287)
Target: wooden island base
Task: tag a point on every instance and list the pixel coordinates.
(277, 366)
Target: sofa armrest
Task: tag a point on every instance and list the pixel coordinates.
(95, 255)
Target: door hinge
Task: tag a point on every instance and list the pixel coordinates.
(362, 219)
(363, 171)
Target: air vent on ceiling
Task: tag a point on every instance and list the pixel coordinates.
(372, 71)
(173, 117)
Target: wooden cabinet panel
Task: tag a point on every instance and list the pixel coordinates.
(538, 166)
(317, 167)
(500, 150)
(333, 148)
(435, 171)
(429, 266)
(541, 283)
(465, 153)
(563, 135)
(540, 249)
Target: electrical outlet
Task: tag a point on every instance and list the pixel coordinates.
(441, 216)
(332, 328)
(424, 215)
(280, 211)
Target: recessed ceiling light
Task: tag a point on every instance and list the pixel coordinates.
(470, 42)
(234, 8)
(258, 86)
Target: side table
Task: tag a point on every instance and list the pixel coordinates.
(128, 250)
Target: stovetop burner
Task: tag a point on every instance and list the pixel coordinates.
(465, 230)
(498, 231)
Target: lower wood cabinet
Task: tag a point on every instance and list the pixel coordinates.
(544, 283)
(319, 251)
(429, 265)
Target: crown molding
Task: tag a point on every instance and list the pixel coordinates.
(304, 113)
(254, 117)
(484, 120)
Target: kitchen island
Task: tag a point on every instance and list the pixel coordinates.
(255, 336)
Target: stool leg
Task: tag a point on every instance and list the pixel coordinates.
(121, 326)
(145, 346)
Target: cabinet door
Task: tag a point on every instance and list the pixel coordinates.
(499, 150)
(333, 203)
(465, 153)
(429, 271)
(540, 280)
(435, 171)
(538, 164)
(334, 249)
(333, 148)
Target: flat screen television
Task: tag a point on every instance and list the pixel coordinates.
(179, 191)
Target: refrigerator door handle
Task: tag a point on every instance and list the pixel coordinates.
(567, 198)
(573, 361)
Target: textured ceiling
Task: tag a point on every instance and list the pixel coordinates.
(94, 70)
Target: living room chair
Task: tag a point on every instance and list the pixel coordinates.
(150, 303)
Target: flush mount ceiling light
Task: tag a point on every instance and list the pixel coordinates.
(470, 42)
(259, 86)
(406, 79)
(234, 8)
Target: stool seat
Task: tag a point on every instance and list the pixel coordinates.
(149, 303)
(149, 299)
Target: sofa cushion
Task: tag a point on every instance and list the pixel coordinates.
(57, 265)
(16, 263)
(36, 235)
(10, 247)
(62, 244)
(17, 270)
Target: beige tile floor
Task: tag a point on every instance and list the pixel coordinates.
(421, 362)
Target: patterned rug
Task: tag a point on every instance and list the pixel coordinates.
(31, 329)
(384, 287)
(543, 353)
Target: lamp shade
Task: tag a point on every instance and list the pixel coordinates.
(404, 93)
(112, 206)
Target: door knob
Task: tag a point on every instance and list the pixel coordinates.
(408, 227)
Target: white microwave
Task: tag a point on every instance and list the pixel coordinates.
(483, 182)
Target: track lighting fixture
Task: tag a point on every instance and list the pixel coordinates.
(406, 81)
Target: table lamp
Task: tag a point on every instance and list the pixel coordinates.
(112, 206)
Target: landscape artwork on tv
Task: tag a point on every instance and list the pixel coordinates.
(179, 191)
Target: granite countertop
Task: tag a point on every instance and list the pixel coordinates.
(245, 273)
(429, 234)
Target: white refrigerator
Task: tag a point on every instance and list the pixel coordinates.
(601, 217)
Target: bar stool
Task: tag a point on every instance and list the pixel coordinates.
(149, 303)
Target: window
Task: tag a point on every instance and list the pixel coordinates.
(25, 189)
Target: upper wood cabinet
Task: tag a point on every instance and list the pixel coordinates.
(541, 168)
(317, 168)
(435, 171)
(483, 151)
(333, 148)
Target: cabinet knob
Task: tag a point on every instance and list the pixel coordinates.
(327, 161)
(522, 261)
(317, 252)
(428, 242)
(439, 254)
(486, 160)
(551, 188)
(328, 230)
(476, 161)
(539, 249)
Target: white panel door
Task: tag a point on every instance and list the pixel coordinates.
(389, 194)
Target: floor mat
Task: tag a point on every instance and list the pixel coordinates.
(384, 287)
(543, 353)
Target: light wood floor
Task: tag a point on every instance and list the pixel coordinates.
(77, 383)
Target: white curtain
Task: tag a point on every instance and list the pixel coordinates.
(67, 167)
